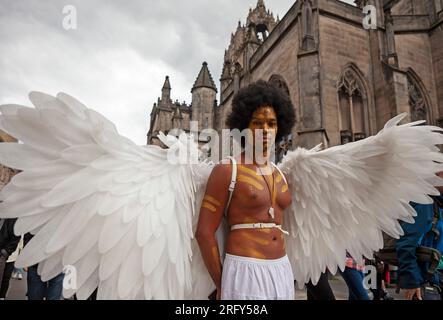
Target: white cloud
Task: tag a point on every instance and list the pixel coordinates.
(116, 61)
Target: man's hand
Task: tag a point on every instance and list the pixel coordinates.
(215, 295)
(410, 293)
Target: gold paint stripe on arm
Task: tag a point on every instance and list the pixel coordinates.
(214, 252)
(284, 188)
(250, 181)
(209, 206)
(212, 200)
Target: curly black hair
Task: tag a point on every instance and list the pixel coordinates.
(259, 94)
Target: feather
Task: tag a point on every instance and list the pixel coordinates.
(112, 259)
(119, 214)
(131, 273)
(21, 157)
(346, 195)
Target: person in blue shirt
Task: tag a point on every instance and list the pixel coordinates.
(412, 274)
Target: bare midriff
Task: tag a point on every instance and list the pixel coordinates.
(257, 243)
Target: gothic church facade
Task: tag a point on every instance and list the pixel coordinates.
(345, 81)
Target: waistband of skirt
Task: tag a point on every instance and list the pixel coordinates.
(256, 260)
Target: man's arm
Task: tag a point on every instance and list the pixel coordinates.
(408, 270)
(211, 214)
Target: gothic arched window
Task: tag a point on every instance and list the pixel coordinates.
(418, 99)
(279, 82)
(352, 106)
(286, 143)
(419, 110)
(307, 18)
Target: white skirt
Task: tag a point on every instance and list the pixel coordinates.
(245, 278)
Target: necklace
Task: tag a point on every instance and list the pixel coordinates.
(271, 208)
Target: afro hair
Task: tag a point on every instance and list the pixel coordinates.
(256, 95)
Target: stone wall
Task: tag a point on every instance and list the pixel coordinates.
(414, 51)
(4, 137)
(436, 40)
(336, 52)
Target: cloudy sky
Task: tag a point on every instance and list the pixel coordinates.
(116, 60)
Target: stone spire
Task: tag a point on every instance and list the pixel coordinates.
(166, 91)
(251, 36)
(226, 72)
(360, 3)
(204, 79)
(177, 113)
(166, 85)
(261, 18)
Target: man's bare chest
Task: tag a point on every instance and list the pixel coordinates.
(255, 190)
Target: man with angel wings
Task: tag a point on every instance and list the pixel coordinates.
(123, 218)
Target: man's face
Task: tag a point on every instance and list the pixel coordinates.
(264, 118)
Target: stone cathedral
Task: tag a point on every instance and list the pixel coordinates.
(345, 81)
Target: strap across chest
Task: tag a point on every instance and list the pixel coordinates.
(232, 184)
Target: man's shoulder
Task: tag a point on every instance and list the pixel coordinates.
(228, 162)
(223, 168)
(225, 162)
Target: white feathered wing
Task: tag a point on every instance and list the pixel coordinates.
(121, 214)
(344, 196)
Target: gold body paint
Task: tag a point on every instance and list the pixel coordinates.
(209, 206)
(248, 236)
(250, 181)
(212, 200)
(249, 171)
(210, 203)
(250, 252)
(215, 252)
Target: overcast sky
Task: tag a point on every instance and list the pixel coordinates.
(116, 60)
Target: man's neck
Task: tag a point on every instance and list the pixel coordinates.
(263, 161)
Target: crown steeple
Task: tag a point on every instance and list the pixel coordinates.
(204, 79)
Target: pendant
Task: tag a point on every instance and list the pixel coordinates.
(271, 212)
